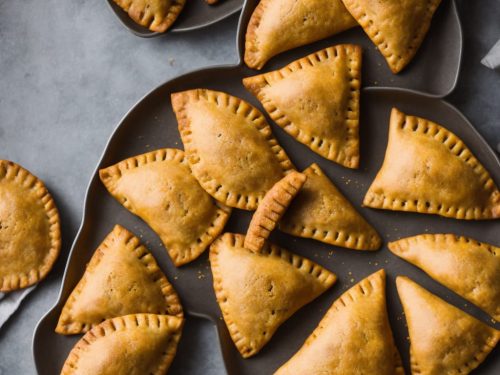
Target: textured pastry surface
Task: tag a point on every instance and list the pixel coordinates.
(316, 100)
(468, 267)
(158, 187)
(397, 27)
(443, 338)
(156, 15)
(121, 278)
(354, 337)
(271, 209)
(230, 147)
(428, 169)
(257, 292)
(30, 234)
(280, 25)
(135, 344)
(320, 211)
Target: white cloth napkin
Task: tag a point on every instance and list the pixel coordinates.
(9, 302)
(492, 59)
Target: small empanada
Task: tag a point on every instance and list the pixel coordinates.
(121, 278)
(316, 100)
(230, 147)
(159, 188)
(30, 233)
(397, 27)
(354, 336)
(156, 15)
(135, 344)
(443, 338)
(257, 292)
(320, 211)
(428, 169)
(271, 209)
(280, 25)
(466, 266)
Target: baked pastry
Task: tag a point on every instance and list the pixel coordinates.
(257, 292)
(468, 267)
(121, 278)
(396, 27)
(159, 188)
(156, 15)
(280, 25)
(428, 169)
(320, 211)
(133, 344)
(354, 336)
(223, 133)
(316, 100)
(271, 209)
(443, 338)
(30, 233)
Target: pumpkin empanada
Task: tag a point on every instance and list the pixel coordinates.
(280, 25)
(30, 233)
(159, 188)
(133, 344)
(271, 209)
(230, 147)
(354, 337)
(320, 211)
(156, 15)
(468, 267)
(397, 27)
(257, 292)
(316, 100)
(428, 169)
(443, 338)
(121, 278)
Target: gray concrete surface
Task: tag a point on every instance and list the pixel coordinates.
(69, 72)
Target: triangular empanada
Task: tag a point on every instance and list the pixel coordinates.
(230, 147)
(320, 211)
(280, 25)
(396, 27)
(271, 209)
(159, 188)
(428, 169)
(121, 278)
(316, 100)
(156, 15)
(443, 338)
(257, 292)
(466, 266)
(133, 344)
(354, 337)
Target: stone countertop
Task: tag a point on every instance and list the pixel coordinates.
(69, 72)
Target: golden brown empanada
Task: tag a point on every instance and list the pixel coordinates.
(121, 278)
(156, 15)
(135, 344)
(428, 169)
(320, 211)
(443, 339)
(280, 25)
(271, 209)
(230, 147)
(30, 233)
(397, 27)
(257, 292)
(159, 188)
(466, 266)
(354, 337)
(316, 100)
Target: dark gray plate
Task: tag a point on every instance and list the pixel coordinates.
(195, 15)
(151, 124)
